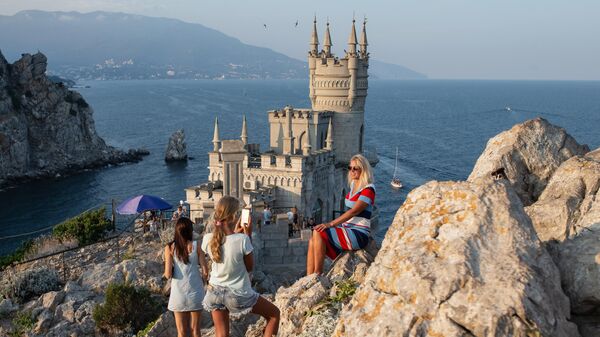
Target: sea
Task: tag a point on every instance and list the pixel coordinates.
(440, 127)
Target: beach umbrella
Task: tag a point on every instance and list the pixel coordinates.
(140, 203)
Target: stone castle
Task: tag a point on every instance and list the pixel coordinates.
(309, 150)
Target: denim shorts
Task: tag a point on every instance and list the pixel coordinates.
(221, 298)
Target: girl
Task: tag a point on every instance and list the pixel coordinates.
(351, 230)
(182, 261)
(229, 290)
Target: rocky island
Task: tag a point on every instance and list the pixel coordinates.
(491, 256)
(45, 128)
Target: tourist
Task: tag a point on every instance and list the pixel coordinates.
(180, 212)
(290, 216)
(295, 219)
(183, 260)
(267, 215)
(229, 290)
(351, 230)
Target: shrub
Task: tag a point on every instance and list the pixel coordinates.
(126, 307)
(27, 284)
(22, 323)
(18, 255)
(87, 227)
(344, 290)
(149, 326)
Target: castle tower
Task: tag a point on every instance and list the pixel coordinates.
(340, 85)
(216, 139)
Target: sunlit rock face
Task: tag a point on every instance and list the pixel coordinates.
(529, 153)
(460, 259)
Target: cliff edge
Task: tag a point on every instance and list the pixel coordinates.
(45, 128)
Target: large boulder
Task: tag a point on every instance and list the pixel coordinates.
(571, 201)
(176, 149)
(460, 259)
(529, 153)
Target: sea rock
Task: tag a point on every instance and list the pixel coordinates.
(138, 272)
(164, 326)
(44, 321)
(46, 129)
(571, 201)
(460, 259)
(176, 149)
(51, 299)
(529, 153)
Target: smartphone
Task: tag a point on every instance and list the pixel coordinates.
(245, 217)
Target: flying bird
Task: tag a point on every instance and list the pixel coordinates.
(296, 23)
(264, 24)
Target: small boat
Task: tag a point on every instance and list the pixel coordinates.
(396, 183)
(508, 108)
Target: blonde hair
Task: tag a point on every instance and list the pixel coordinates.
(225, 213)
(366, 173)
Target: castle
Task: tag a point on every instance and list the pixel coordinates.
(310, 148)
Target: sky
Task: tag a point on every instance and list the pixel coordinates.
(444, 39)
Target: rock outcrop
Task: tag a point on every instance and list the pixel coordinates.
(567, 218)
(45, 128)
(571, 201)
(529, 153)
(176, 149)
(460, 259)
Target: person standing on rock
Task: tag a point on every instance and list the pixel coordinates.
(229, 290)
(351, 230)
(183, 260)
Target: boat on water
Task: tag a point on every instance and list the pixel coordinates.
(396, 182)
(508, 109)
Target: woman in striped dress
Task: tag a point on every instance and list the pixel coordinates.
(351, 230)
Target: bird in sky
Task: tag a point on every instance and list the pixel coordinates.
(264, 24)
(296, 23)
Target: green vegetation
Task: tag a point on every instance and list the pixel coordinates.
(18, 255)
(26, 284)
(344, 292)
(22, 323)
(147, 329)
(87, 228)
(126, 307)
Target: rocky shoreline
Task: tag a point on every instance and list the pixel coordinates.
(517, 255)
(47, 130)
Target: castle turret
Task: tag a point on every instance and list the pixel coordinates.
(340, 85)
(306, 146)
(288, 139)
(329, 140)
(363, 41)
(244, 135)
(216, 139)
(314, 41)
(327, 43)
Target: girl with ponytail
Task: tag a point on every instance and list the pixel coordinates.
(229, 290)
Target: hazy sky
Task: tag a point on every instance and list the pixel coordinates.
(483, 39)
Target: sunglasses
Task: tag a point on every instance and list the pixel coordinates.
(353, 168)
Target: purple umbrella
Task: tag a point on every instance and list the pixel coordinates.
(142, 203)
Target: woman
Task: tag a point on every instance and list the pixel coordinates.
(351, 230)
(183, 259)
(229, 290)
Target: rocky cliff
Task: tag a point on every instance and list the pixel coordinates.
(45, 128)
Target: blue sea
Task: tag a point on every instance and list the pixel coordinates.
(439, 127)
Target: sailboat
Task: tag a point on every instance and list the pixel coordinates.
(396, 183)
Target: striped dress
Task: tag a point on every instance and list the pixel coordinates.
(354, 233)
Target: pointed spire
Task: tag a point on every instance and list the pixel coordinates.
(363, 39)
(216, 139)
(329, 140)
(327, 43)
(307, 147)
(314, 41)
(352, 39)
(244, 135)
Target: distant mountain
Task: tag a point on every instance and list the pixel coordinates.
(388, 71)
(104, 45)
(117, 45)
